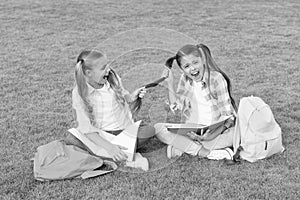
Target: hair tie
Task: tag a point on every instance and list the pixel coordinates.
(80, 60)
(169, 62)
(200, 45)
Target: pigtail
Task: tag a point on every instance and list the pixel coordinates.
(204, 54)
(82, 88)
(212, 64)
(136, 105)
(115, 84)
(80, 80)
(169, 62)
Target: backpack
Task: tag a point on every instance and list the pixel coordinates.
(57, 160)
(257, 135)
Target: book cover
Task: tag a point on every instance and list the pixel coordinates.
(199, 129)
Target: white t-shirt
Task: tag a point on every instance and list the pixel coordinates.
(201, 112)
(108, 114)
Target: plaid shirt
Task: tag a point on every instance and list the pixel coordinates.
(218, 96)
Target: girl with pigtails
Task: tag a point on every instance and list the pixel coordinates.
(102, 105)
(204, 97)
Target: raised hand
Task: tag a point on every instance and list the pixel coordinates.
(140, 92)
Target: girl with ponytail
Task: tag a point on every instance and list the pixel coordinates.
(101, 103)
(204, 97)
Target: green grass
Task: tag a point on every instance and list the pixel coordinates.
(257, 44)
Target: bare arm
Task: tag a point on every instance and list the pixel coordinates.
(92, 133)
(114, 150)
(131, 97)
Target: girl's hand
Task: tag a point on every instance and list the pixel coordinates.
(192, 135)
(140, 92)
(210, 134)
(116, 153)
(207, 136)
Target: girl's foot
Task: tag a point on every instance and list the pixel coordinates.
(220, 154)
(203, 152)
(139, 162)
(172, 152)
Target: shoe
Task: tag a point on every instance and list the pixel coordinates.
(139, 162)
(172, 152)
(220, 154)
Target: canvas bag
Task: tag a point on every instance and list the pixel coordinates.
(57, 161)
(257, 134)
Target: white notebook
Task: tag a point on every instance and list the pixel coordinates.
(197, 128)
(127, 138)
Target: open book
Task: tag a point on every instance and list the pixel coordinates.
(127, 138)
(199, 129)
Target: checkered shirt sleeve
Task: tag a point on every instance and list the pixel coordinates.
(221, 91)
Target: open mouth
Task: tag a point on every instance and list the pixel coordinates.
(195, 74)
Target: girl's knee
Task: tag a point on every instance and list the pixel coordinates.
(159, 127)
(146, 132)
(163, 134)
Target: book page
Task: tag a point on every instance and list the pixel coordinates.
(127, 138)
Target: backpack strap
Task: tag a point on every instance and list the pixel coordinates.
(107, 167)
(236, 159)
(236, 156)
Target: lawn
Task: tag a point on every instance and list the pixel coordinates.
(257, 43)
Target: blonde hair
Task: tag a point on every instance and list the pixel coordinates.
(84, 62)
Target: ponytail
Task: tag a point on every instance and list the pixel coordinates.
(115, 84)
(205, 55)
(210, 63)
(80, 80)
(136, 105)
(82, 88)
(170, 61)
(203, 48)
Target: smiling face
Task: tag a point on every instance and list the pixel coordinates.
(192, 66)
(96, 76)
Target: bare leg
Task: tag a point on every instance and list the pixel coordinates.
(178, 141)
